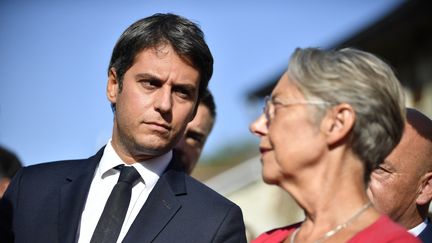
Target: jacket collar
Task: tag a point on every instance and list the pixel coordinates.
(73, 195)
(161, 205)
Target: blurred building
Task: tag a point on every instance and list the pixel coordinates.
(404, 39)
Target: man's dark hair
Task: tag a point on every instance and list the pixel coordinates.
(9, 163)
(208, 101)
(185, 37)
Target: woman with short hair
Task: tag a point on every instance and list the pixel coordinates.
(331, 119)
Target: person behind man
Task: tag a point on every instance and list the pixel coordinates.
(190, 146)
(9, 165)
(401, 186)
(158, 71)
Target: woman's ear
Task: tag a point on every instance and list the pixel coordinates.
(338, 122)
(112, 86)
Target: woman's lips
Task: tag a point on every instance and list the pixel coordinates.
(264, 150)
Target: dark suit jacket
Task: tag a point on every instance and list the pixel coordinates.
(44, 204)
(426, 234)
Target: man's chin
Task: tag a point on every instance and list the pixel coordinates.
(150, 149)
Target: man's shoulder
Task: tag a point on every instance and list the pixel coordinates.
(200, 188)
(426, 234)
(60, 167)
(51, 166)
(197, 191)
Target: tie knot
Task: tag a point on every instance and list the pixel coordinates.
(129, 175)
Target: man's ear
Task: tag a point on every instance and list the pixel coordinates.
(112, 86)
(338, 122)
(425, 195)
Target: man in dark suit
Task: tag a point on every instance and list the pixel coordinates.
(159, 68)
(402, 186)
(190, 146)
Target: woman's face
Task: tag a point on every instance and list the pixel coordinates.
(290, 141)
(271, 169)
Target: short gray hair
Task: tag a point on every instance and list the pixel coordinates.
(363, 81)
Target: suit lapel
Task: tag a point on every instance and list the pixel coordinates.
(159, 209)
(426, 234)
(73, 195)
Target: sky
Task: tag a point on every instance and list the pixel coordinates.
(54, 58)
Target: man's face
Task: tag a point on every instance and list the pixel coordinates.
(157, 100)
(396, 184)
(191, 144)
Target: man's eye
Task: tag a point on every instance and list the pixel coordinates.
(197, 138)
(183, 93)
(381, 170)
(149, 84)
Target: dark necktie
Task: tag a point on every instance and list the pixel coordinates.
(114, 213)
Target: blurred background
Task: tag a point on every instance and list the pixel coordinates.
(54, 58)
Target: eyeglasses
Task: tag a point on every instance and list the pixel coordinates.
(270, 103)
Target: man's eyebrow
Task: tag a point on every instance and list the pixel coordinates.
(187, 86)
(196, 133)
(146, 76)
(387, 165)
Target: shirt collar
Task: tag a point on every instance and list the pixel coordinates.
(150, 170)
(419, 228)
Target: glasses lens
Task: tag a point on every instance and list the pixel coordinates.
(267, 107)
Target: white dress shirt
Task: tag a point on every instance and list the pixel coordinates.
(103, 182)
(419, 228)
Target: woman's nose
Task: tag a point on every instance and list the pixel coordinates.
(259, 126)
